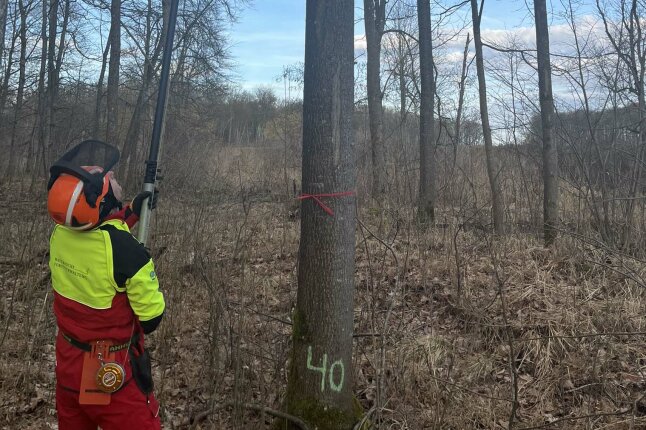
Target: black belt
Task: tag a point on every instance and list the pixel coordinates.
(88, 347)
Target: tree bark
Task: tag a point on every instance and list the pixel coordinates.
(550, 155)
(374, 12)
(112, 133)
(427, 186)
(492, 168)
(320, 378)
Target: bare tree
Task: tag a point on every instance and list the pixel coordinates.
(320, 378)
(23, 11)
(4, 5)
(492, 168)
(627, 36)
(4, 89)
(427, 162)
(99, 91)
(151, 52)
(113, 72)
(461, 86)
(550, 155)
(374, 12)
(43, 127)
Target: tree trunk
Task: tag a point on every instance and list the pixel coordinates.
(374, 17)
(462, 86)
(21, 86)
(630, 51)
(320, 377)
(4, 90)
(61, 50)
(401, 68)
(492, 168)
(4, 4)
(550, 155)
(427, 192)
(50, 90)
(43, 130)
(99, 91)
(113, 73)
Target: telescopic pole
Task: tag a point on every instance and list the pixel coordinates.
(158, 126)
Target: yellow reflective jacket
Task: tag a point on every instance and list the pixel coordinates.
(91, 267)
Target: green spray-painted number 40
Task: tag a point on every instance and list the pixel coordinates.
(335, 382)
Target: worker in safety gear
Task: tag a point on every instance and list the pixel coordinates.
(106, 296)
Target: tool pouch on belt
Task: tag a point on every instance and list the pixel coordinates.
(141, 368)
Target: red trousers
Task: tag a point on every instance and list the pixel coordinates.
(129, 409)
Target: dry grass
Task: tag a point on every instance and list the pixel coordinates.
(454, 330)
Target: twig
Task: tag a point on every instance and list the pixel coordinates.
(258, 408)
(459, 387)
(584, 335)
(513, 371)
(359, 425)
(580, 417)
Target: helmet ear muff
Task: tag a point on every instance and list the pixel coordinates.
(109, 203)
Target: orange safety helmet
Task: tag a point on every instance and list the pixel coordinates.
(80, 195)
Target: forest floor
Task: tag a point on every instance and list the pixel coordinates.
(453, 330)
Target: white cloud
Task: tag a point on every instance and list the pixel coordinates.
(359, 42)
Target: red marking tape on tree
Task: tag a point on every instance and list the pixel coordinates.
(317, 198)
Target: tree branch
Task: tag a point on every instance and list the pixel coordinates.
(258, 408)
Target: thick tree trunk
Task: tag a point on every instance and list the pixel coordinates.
(427, 192)
(550, 155)
(374, 17)
(320, 377)
(113, 73)
(492, 168)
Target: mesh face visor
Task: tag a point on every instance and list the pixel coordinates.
(86, 153)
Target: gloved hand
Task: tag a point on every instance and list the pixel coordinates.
(139, 199)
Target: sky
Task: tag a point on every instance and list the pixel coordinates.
(270, 34)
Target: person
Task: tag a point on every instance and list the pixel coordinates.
(106, 298)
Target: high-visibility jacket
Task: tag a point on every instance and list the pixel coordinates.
(105, 288)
